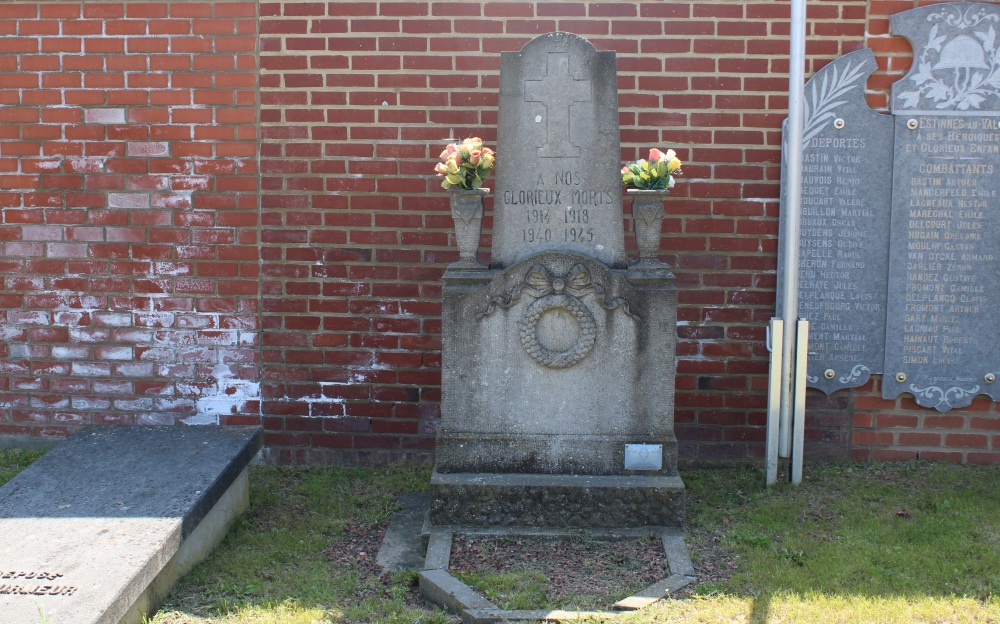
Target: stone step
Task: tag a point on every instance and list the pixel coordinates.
(100, 528)
(554, 501)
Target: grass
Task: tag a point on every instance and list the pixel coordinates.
(908, 542)
(874, 530)
(510, 590)
(13, 461)
(274, 567)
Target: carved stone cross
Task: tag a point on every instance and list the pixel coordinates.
(557, 91)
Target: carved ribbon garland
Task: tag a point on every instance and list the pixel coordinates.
(539, 283)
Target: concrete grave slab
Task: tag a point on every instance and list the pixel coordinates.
(100, 528)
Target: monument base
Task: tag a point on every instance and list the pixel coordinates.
(556, 501)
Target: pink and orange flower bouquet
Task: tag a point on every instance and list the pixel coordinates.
(465, 165)
(654, 174)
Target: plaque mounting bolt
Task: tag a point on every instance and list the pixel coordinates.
(838, 123)
(989, 377)
(900, 377)
(912, 124)
(829, 373)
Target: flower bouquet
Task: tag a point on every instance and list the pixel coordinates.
(465, 165)
(655, 174)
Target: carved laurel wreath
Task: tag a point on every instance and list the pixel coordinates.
(553, 292)
(558, 359)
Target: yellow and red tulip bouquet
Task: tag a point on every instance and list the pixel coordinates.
(654, 174)
(465, 165)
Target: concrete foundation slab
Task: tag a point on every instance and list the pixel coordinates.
(402, 547)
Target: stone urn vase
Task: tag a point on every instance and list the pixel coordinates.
(467, 211)
(647, 218)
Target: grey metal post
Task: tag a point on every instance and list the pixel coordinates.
(793, 205)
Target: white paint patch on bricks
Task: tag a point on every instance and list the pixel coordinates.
(8, 332)
(112, 319)
(87, 165)
(24, 249)
(324, 400)
(41, 232)
(170, 269)
(198, 321)
(66, 250)
(86, 369)
(27, 317)
(195, 183)
(176, 201)
(68, 317)
(154, 319)
(104, 115)
(229, 396)
(128, 200)
(70, 353)
(48, 165)
(147, 148)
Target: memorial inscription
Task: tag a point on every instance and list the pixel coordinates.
(558, 186)
(32, 584)
(843, 260)
(942, 320)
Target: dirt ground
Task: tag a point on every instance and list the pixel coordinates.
(601, 571)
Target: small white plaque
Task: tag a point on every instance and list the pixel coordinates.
(643, 456)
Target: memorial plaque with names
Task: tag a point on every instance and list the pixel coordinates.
(558, 187)
(943, 320)
(843, 254)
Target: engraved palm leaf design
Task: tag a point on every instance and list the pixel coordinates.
(825, 96)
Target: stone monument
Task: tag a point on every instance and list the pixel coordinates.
(906, 280)
(558, 358)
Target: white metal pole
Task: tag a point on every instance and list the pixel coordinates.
(799, 413)
(793, 205)
(777, 335)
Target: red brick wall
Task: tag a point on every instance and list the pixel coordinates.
(161, 314)
(358, 98)
(128, 194)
